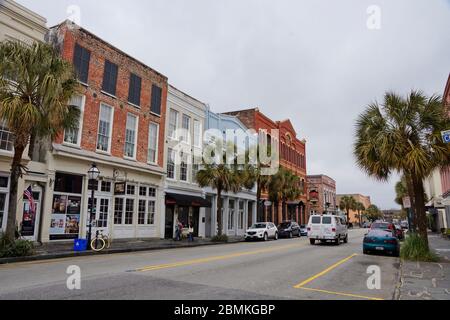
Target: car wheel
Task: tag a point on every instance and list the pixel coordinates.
(276, 235)
(266, 237)
(346, 239)
(337, 241)
(312, 241)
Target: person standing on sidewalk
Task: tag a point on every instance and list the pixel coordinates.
(179, 230)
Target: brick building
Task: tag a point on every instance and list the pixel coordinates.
(121, 129)
(322, 194)
(292, 157)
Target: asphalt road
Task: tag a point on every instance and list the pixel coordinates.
(283, 269)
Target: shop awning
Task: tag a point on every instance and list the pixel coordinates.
(186, 200)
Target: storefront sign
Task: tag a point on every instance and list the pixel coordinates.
(119, 188)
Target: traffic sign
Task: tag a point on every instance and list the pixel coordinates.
(446, 136)
(407, 202)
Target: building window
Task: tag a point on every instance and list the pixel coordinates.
(197, 133)
(104, 128)
(118, 210)
(147, 207)
(186, 125)
(73, 136)
(142, 211)
(173, 123)
(110, 77)
(231, 215)
(183, 169)
(153, 143)
(6, 137)
(131, 190)
(81, 58)
(170, 164)
(195, 169)
(156, 100)
(129, 211)
(134, 90)
(106, 187)
(241, 215)
(152, 192)
(4, 195)
(130, 136)
(143, 191)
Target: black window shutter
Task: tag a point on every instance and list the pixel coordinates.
(81, 58)
(156, 99)
(134, 92)
(110, 77)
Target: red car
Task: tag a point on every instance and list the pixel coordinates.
(387, 226)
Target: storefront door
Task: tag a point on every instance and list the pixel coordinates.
(30, 218)
(102, 210)
(169, 231)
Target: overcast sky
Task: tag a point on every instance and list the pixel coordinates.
(314, 62)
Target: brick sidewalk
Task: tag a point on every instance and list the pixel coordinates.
(65, 250)
(427, 280)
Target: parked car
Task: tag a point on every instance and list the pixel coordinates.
(366, 225)
(289, 229)
(381, 240)
(327, 228)
(262, 231)
(303, 230)
(383, 225)
(399, 232)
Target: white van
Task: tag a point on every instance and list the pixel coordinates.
(327, 228)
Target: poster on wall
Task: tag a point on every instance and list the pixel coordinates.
(65, 222)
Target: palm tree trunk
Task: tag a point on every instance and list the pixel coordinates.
(280, 211)
(421, 217)
(219, 212)
(16, 173)
(411, 192)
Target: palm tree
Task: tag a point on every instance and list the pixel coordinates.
(373, 213)
(224, 177)
(404, 135)
(283, 187)
(35, 88)
(360, 208)
(347, 203)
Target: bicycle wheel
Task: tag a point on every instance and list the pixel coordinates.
(100, 244)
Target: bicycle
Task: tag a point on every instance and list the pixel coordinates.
(100, 242)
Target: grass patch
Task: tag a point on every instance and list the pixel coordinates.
(414, 248)
(16, 248)
(222, 238)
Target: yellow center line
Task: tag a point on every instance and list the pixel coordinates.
(215, 258)
(341, 294)
(298, 286)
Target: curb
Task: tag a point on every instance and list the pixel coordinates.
(108, 252)
(397, 291)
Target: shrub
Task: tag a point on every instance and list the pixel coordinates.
(414, 248)
(222, 238)
(16, 248)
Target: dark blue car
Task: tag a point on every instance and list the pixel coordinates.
(383, 241)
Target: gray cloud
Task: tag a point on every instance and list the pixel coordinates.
(314, 62)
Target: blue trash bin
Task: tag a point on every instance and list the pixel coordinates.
(80, 245)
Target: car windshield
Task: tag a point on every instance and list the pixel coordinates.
(315, 220)
(326, 220)
(285, 225)
(258, 226)
(379, 233)
(379, 225)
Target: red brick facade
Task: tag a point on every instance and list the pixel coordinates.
(292, 157)
(100, 50)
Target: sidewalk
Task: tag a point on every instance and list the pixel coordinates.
(65, 250)
(427, 280)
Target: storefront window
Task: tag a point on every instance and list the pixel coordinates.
(66, 208)
(146, 206)
(2, 209)
(129, 210)
(118, 210)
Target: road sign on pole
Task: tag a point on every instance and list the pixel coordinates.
(407, 202)
(446, 136)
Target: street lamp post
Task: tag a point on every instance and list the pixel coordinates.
(93, 175)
